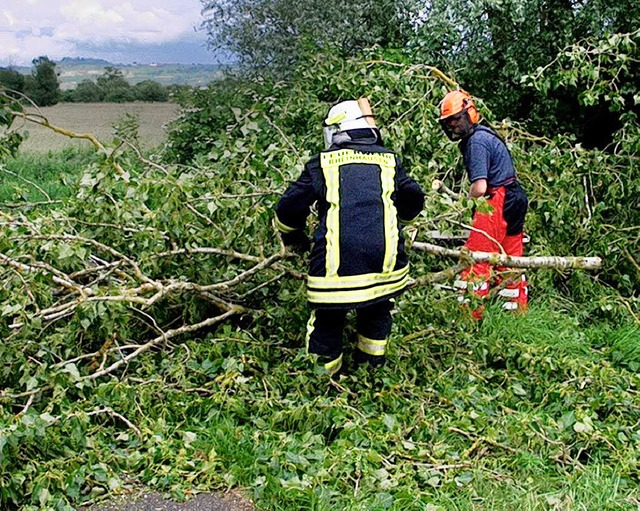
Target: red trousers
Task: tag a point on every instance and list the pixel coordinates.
(492, 233)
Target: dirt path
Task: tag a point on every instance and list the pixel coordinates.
(152, 501)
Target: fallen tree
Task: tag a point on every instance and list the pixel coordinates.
(148, 251)
(161, 275)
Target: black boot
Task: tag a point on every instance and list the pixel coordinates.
(360, 358)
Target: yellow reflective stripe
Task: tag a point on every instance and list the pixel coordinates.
(330, 163)
(311, 324)
(334, 366)
(332, 180)
(356, 295)
(283, 227)
(348, 156)
(352, 281)
(371, 346)
(335, 119)
(391, 233)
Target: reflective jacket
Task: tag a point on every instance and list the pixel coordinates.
(363, 195)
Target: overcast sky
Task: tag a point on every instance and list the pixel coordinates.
(120, 31)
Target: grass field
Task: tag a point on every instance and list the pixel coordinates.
(98, 118)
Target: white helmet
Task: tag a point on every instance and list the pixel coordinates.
(347, 115)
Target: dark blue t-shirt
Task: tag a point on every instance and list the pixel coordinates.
(486, 157)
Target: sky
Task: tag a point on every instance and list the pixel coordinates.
(120, 31)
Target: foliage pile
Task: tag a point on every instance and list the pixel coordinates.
(152, 325)
(597, 189)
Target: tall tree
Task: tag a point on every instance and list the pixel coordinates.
(43, 88)
(86, 92)
(276, 34)
(148, 90)
(11, 80)
(489, 45)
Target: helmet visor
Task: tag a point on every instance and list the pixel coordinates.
(456, 126)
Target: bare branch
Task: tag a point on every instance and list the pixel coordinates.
(170, 334)
(44, 122)
(440, 187)
(554, 262)
(6, 260)
(112, 413)
(35, 185)
(98, 245)
(208, 250)
(16, 205)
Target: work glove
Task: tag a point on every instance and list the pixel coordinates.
(297, 242)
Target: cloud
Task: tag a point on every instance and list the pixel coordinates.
(8, 18)
(42, 27)
(91, 14)
(20, 51)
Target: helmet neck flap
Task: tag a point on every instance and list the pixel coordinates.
(348, 116)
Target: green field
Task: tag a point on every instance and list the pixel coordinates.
(98, 119)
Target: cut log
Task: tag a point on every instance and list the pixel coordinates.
(553, 262)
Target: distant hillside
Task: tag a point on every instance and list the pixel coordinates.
(71, 71)
(80, 61)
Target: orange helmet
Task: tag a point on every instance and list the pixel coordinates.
(458, 101)
(458, 115)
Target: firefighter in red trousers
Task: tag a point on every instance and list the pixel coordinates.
(362, 196)
(490, 170)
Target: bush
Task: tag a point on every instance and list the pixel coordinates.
(87, 91)
(149, 90)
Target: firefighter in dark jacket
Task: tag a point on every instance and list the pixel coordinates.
(362, 196)
(492, 175)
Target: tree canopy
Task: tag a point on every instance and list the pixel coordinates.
(274, 36)
(113, 87)
(12, 80)
(42, 86)
(486, 45)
